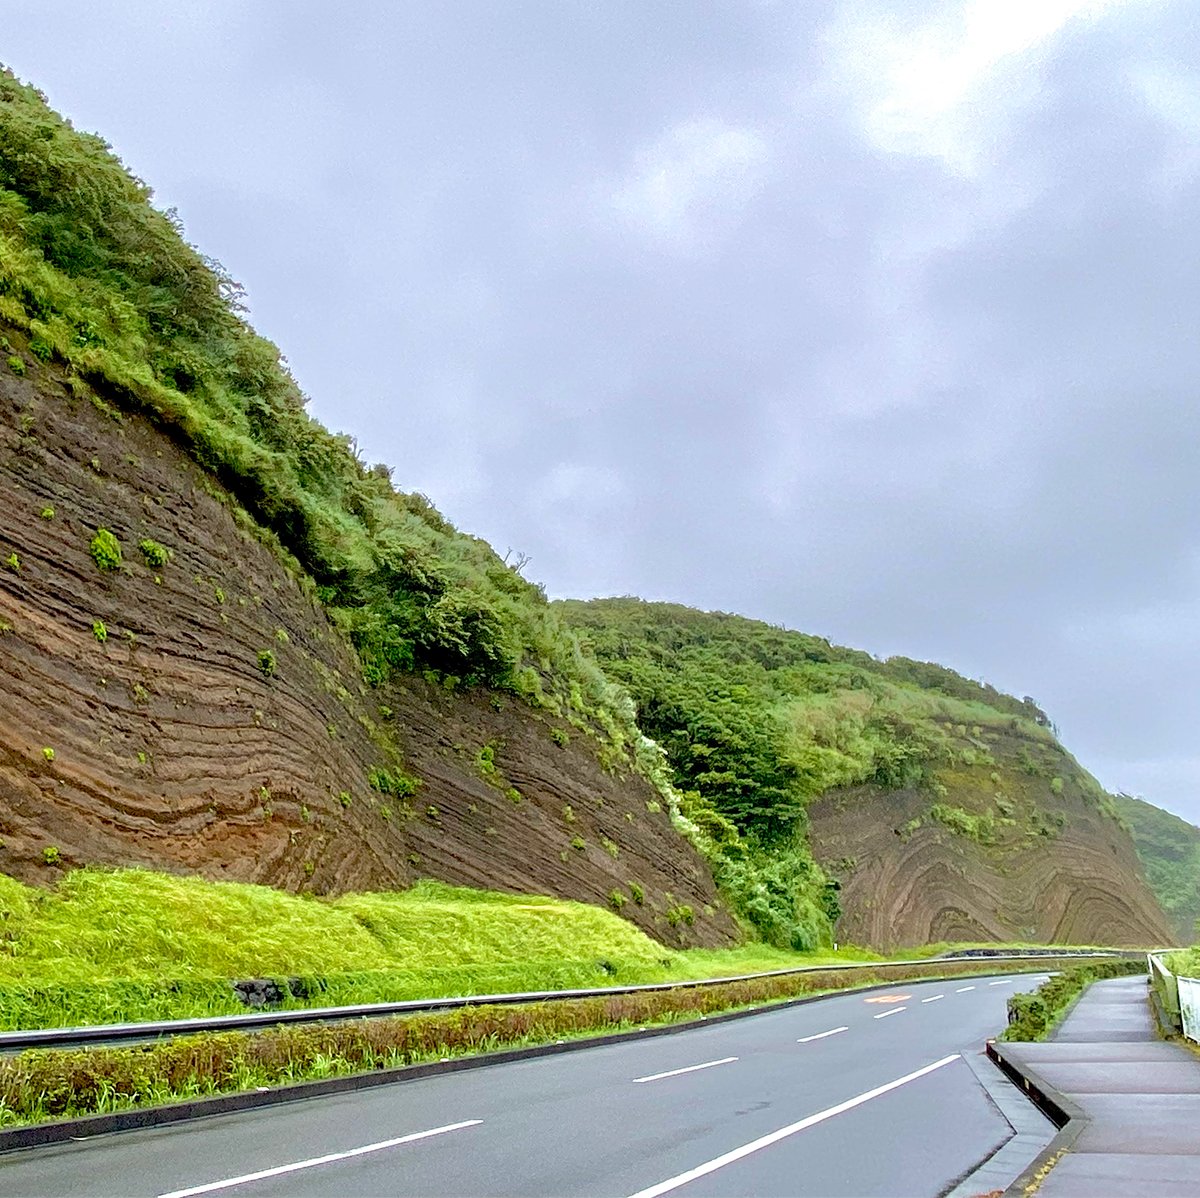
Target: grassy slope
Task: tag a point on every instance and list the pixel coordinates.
(757, 720)
(1169, 850)
(117, 944)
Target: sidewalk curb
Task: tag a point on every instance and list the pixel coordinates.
(1056, 1106)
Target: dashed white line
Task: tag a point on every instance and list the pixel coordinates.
(653, 1077)
(893, 1011)
(318, 1160)
(963, 989)
(673, 1183)
(934, 998)
(1002, 982)
(833, 1031)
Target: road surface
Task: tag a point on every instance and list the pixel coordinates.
(852, 1095)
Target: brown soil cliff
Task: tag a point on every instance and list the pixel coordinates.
(160, 739)
(1048, 864)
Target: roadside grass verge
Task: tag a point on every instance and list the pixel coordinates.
(47, 1084)
(1033, 1016)
(111, 946)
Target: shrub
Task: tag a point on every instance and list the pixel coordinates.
(51, 855)
(266, 662)
(1056, 785)
(344, 798)
(639, 895)
(13, 562)
(16, 365)
(559, 737)
(616, 899)
(154, 553)
(48, 753)
(106, 550)
(47, 513)
(578, 844)
(393, 782)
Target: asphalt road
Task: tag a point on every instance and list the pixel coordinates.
(852, 1095)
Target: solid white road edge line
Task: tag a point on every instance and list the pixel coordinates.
(934, 998)
(653, 1077)
(673, 1183)
(318, 1160)
(893, 1011)
(833, 1031)
(963, 989)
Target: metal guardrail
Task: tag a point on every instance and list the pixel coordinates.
(115, 1033)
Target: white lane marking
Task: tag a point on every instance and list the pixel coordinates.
(893, 1011)
(1001, 982)
(673, 1183)
(963, 989)
(934, 998)
(318, 1160)
(653, 1077)
(833, 1031)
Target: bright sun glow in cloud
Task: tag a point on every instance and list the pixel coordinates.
(918, 84)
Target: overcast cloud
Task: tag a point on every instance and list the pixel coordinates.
(881, 326)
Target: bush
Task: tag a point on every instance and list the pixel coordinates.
(266, 662)
(99, 631)
(154, 553)
(106, 550)
(1034, 1016)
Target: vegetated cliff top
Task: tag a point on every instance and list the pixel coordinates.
(104, 282)
(1169, 850)
(784, 743)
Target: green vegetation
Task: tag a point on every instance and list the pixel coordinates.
(980, 828)
(47, 513)
(154, 553)
(13, 562)
(1169, 850)
(266, 662)
(1034, 1016)
(106, 550)
(755, 721)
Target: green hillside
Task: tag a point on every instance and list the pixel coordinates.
(1169, 850)
(756, 721)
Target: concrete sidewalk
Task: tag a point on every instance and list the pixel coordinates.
(1134, 1100)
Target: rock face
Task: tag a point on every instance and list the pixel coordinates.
(1018, 850)
(201, 713)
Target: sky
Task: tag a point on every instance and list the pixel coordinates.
(874, 320)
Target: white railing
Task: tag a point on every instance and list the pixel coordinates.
(1180, 996)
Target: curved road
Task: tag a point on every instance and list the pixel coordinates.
(852, 1095)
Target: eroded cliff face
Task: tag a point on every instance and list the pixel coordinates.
(1037, 857)
(203, 714)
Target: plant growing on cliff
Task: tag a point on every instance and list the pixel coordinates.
(48, 753)
(47, 513)
(266, 662)
(154, 553)
(393, 782)
(105, 550)
(51, 855)
(13, 562)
